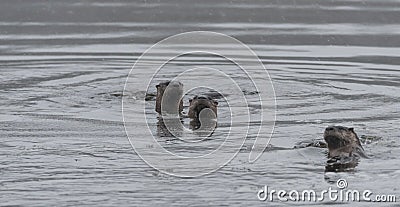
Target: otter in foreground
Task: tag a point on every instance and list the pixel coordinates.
(169, 96)
(343, 142)
(344, 149)
(199, 103)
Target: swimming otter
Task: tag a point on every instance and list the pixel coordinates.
(343, 142)
(169, 95)
(198, 103)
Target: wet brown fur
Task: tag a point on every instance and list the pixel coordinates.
(174, 93)
(342, 142)
(199, 103)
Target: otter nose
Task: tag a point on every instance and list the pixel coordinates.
(329, 128)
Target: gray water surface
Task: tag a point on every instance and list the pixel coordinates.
(62, 72)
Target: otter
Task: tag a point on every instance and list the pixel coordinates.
(344, 149)
(343, 142)
(169, 95)
(198, 103)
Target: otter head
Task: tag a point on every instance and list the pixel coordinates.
(198, 103)
(169, 96)
(342, 141)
